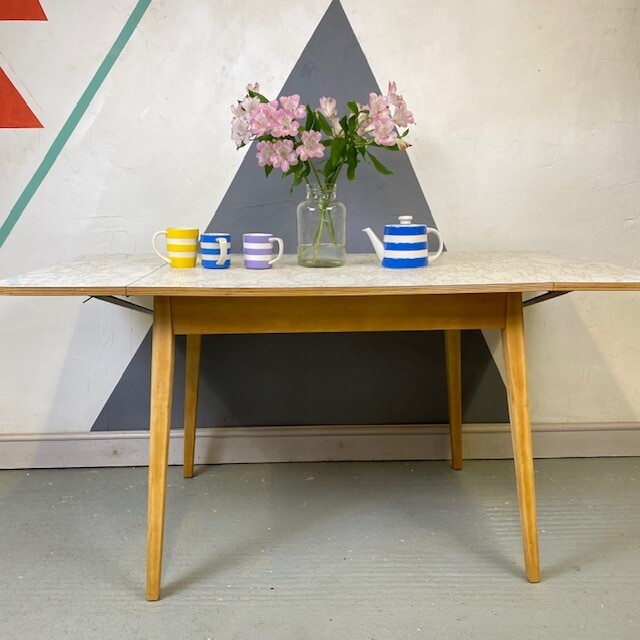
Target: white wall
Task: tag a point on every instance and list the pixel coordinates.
(527, 137)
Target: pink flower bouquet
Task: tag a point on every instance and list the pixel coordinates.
(300, 140)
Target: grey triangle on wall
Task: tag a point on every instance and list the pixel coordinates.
(324, 378)
(332, 64)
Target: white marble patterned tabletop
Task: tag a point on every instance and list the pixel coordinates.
(452, 272)
(106, 274)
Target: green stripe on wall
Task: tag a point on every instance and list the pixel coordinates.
(73, 120)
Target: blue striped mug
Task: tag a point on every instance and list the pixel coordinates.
(405, 245)
(215, 250)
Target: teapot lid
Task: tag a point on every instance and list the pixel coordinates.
(405, 221)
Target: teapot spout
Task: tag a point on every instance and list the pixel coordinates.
(375, 241)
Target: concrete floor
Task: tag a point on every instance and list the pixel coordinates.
(383, 551)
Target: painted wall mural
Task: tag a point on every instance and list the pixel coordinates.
(72, 121)
(136, 138)
(14, 111)
(21, 10)
(320, 379)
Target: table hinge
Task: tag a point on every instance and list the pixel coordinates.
(121, 303)
(545, 296)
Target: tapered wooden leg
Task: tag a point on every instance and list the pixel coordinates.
(162, 357)
(513, 345)
(454, 394)
(192, 377)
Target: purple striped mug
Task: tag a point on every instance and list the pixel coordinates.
(258, 250)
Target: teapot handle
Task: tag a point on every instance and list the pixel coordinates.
(441, 243)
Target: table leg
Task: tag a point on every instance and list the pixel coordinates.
(454, 393)
(192, 377)
(513, 344)
(162, 359)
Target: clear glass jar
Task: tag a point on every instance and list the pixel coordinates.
(321, 228)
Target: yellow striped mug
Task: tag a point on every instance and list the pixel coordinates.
(182, 246)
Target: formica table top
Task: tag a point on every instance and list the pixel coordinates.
(453, 272)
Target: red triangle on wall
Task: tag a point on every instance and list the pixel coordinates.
(21, 10)
(14, 111)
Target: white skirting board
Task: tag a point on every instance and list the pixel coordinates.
(296, 444)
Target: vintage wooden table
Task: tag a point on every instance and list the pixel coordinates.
(460, 291)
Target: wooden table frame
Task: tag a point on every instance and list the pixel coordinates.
(451, 312)
(466, 290)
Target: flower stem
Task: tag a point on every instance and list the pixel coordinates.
(316, 243)
(326, 219)
(315, 172)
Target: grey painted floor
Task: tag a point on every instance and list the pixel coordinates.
(329, 550)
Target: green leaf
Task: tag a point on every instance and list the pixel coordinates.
(352, 163)
(353, 106)
(381, 146)
(337, 147)
(308, 125)
(255, 94)
(328, 168)
(321, 121)
(379, 166)
(267, 170)
(344, 125)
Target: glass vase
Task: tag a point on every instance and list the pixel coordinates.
(321, 228)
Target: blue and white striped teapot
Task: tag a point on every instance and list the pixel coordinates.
(404, 245)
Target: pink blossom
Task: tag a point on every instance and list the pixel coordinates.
(237, 110)
(263, 118)
(240, 132)
(291, 106)
(382, 116)
(384, 132)
(328, 107)
(336, 127)
(402, 116)
(365, 124)
(249, 104)
(283, 155)
(403, 145)
(392, 95)
(311, 146)
(370, 122)
(265, 151)
(377, 104)
(255, 87)
(284, 125)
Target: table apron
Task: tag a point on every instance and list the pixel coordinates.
(308, 314)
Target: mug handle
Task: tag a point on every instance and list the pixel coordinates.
(153, 242)
(223, 250)
(280, 248)
(440, 248)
